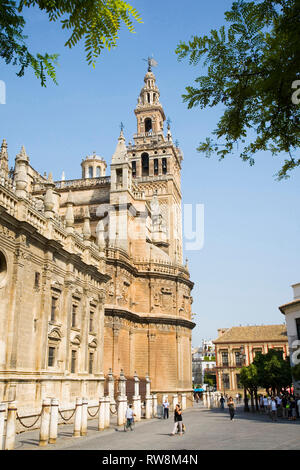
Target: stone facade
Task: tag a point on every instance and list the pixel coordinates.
(91, 272)
(237, 346)
(291, 311)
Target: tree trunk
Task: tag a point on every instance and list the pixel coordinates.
(256, 400)
(252, 401)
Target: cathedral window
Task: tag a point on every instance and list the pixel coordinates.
(53, 308)
(90, 172)
(51, 356)
(164, 166)
(145, 164)
(73, 361)
(91, 326)
(98, 172)
(148, 97)
(155, 166)
(298, 327)
(74, 316)
(148, 124)
(3, 268)
(91, 362)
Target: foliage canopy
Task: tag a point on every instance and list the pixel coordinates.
(96, 22)
(252, 64)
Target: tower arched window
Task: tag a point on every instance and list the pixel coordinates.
(90, 172)
(98, 171)
(148, 124)
(145, 164)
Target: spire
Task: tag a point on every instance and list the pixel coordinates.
(4, 157)
(86, 229)
(69, 217)
(120, 154)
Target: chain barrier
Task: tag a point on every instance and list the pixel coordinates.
(24, 417)
(113, 412)
(91, 415)
(70, 417)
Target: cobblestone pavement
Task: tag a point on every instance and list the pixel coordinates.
(206, 430)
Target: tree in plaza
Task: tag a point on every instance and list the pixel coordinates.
(249, 380)
(96, 22)
(253, 71)
(274, 372)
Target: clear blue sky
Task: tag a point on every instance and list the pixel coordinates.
(252, 225)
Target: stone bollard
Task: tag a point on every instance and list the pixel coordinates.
(83, 428)
(111, 387)
(183, 401)
(45, 422)
(107, 412)
(208, 401)
(122, 405)
(77, 419)
(53, 421)
(148, 400)
(11, 426)
(2, 423)
(175, 401)
(101, 416)
(154, 403)
(136, 408)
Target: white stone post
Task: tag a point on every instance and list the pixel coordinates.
(107, 412)
(101, 416)
(111, 387)
(154, 403)
(53, 421)
(2, 423)
(11, 427)
(136, 399)
(83, 428)
(183, 401)
(148, 400)
(208, 400)
(77, 419)
(175, 401)
(45, 422)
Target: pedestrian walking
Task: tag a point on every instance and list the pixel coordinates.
(166, 406)
(230, 405)
(177, 421)
(284, 408)
(273, 409)
(222, 401)
(298, 406)
(129, 415)
(293, 408)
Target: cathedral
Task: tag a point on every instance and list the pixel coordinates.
(92, 280)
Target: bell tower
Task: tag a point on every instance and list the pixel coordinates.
(156, 162)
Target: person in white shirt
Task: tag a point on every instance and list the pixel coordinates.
(273, 409)
(166, 406)
(129, 415)
(265, 400)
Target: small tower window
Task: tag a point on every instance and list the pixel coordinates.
(145, 164)
(164, 166)
(156, 166)
(98, 171)
(148, 96)
(90, 172)
(134, 169)
(119, 175)
(148, 124)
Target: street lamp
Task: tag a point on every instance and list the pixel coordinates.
(243, 357)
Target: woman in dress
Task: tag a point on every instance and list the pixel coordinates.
(230, 405)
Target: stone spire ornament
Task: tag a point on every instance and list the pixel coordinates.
(4, 158)
(86, 229)
(21, 173)
(49, 202)
(120, 154)
(69, 218)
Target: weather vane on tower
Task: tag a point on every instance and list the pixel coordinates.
(151, 63)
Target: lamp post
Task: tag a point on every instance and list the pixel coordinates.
(243, 357)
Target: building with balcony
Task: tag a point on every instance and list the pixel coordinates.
(237, 346)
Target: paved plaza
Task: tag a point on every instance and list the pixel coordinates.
(206, 430)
